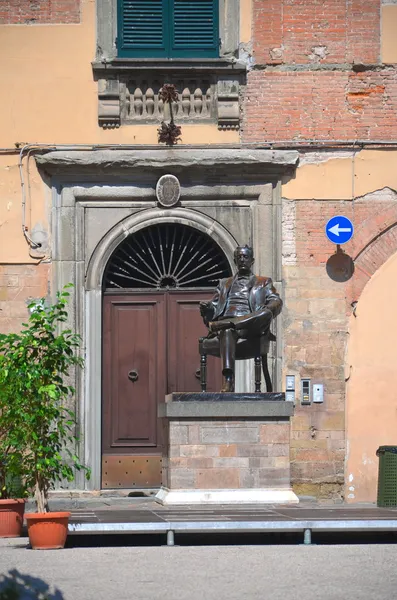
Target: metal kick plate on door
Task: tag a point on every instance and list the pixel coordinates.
(126, 471)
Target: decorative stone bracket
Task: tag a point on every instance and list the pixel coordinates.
(208, 93)
(108, 103)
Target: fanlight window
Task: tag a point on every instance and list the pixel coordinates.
(166, 256)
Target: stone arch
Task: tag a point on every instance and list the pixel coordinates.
(371, 395)
(130, 225)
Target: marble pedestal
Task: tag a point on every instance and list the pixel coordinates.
(226, 448)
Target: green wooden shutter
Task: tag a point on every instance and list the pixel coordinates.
(142, 28)
(168, 28)
(194, 28)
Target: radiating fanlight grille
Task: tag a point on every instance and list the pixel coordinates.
(166, 256)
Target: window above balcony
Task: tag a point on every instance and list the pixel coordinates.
(142, 44)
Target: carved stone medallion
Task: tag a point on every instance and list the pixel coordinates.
(168, 190)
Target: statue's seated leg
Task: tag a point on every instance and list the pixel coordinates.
(227, 340)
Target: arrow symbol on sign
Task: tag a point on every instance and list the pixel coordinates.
(336, 230)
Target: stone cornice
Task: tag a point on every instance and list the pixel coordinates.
(231, 161)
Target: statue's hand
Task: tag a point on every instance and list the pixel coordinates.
(216, 326)
(204, 308)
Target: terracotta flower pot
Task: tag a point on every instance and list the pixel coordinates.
(47, 531)
(11, 517)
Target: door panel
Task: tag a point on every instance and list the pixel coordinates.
(134, 360)
(185, 326)
(150, 349)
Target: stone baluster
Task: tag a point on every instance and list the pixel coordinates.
(198, 101)
(138, 101)
(150, 101)
(186, 102)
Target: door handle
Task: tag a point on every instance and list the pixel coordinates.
(198, 373)
(133, 375)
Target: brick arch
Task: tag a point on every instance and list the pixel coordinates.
(375, 241)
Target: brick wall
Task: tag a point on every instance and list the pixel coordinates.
(326, 105)
(30, 12)
(317, 73)
(307, 31)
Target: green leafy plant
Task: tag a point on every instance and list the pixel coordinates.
(12, 443)
(35, 368)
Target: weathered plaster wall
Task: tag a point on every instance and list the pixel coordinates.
(19, 284)
(13, 247)
(318, 310)
(342, 175)
(371, 405)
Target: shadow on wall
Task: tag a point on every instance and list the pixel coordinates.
(16, 586)
(340, 266)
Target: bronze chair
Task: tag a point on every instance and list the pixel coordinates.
(256, 348)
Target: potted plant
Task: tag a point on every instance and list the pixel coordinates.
(12, 490)
(37, 363)
(12, 502)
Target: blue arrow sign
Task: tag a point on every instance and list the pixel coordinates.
(339, 230)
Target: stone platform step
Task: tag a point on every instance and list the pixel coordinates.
(151, 518)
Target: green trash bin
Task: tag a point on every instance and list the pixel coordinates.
(387, 476)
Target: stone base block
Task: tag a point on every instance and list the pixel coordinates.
(226, 448)
(242, 496)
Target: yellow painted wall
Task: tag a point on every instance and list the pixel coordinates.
(13, 246)
(48, 95)
(245, 21)
(388, 34)
(344, 178)
(371, 404)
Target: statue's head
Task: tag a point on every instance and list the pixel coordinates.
(244, 258)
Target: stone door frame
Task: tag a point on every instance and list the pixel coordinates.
(99, 198)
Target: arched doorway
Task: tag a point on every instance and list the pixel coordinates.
(371, 393)
(152, 286)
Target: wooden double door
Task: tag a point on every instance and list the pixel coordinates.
(150, 349)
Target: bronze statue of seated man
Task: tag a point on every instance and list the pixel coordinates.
(242, 309)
